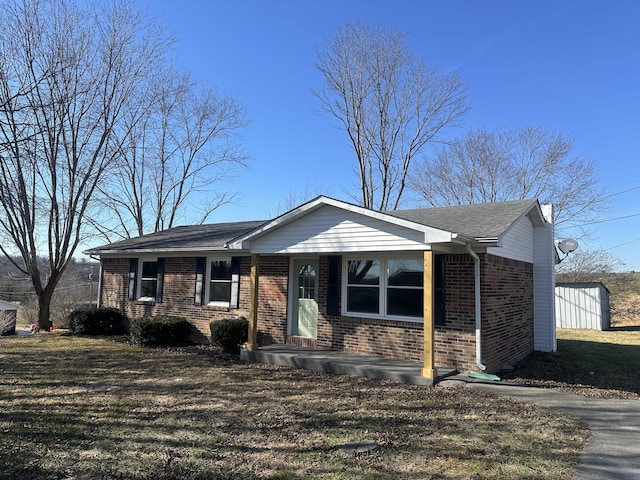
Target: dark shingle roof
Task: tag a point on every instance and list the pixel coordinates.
(483, 220)
(479, 221)
(186, 238)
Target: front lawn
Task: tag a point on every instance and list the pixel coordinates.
(82, 408)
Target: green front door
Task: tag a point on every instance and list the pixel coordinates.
(305, 301)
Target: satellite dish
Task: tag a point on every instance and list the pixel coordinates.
(567, 245)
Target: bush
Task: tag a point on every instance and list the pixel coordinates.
(97, 321)
(230, 333)
(160, 330)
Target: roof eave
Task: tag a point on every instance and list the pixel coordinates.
(154, 251)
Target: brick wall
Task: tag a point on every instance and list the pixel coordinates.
(273, 288)
(507, 307)
(455, 341)
(179, 291)
(178, 294)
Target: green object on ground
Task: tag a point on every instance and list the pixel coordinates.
(484, 376)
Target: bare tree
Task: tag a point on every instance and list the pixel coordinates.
(588, 266)
(67, 75)
(389, 103)
(176, 158)
(512, 164)
(295, 197)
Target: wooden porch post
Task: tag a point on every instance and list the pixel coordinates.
(252, 342)
(428, 369)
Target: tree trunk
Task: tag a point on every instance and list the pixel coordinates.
(44, 309)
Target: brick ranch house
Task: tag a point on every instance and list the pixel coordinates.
(469, 287)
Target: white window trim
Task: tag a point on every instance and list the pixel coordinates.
(208, 282)
(384, 273)
(141, 260)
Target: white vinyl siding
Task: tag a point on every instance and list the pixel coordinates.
(544, 319)
(517, 242)
(331, 229)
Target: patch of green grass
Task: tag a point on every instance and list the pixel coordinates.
(591, 362)
(86, 408)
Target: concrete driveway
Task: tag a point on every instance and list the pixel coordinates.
(612, 452)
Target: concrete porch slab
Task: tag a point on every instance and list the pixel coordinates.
(341, 363)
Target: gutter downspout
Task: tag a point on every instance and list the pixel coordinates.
(476, 271)
(99, 293)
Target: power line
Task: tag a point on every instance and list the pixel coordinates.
(623, 244)
(621, 192)
(608, 220)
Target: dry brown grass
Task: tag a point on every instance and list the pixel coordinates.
(624, 291)
(625, 310)
(80, 408)
(591, 363)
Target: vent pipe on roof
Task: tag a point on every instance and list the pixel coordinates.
(478, 312)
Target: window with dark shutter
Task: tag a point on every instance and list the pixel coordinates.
(438, 287)
(133, 268)
(234, 301)
(201, 263)
(333, 286)
(149, 280)
(159, 279)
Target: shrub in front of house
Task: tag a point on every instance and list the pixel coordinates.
(97, 321)
(229, 334)
(165, 330)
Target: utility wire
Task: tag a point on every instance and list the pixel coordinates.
(620, 193)
(608, 219)
(622, 244)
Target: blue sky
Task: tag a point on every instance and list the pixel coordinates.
(571, 66)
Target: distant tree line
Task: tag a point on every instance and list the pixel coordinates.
(77, 287)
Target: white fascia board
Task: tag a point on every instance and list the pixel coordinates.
(431, 234)
(173, 252)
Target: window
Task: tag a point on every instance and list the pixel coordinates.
(217, 282)
(149, 283)
(363, 286)
(404, 287)
(307, 282)
(148, 280)
(385, 287)
(219, 291)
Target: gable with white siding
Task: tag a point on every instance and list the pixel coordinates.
(334, 230)
(517, 242)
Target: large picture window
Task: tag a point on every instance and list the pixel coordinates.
(385, 287)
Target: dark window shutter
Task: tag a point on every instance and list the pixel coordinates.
(159, 279)
(235, 282)
(333, 285)
(133, 268)
(438, 287)
(198, 297)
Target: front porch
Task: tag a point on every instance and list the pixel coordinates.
(342, 363)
